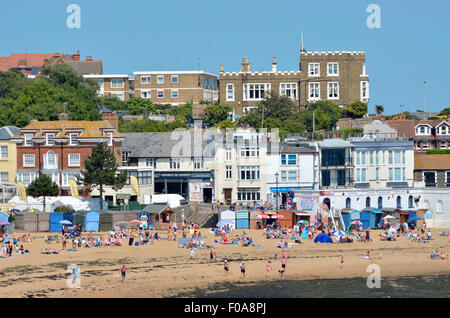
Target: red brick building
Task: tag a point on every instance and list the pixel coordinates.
(59, 148)
(33, 63)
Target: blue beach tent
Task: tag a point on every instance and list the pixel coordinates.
(323, 238)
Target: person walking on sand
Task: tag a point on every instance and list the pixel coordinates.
(123, 271)
(342, 262)
(243, 269)
(268, 269)
(211, 255)
(226, 267)
(284, 255)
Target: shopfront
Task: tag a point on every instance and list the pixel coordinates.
(194, 186)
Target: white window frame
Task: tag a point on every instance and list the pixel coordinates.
(4, 177)
(228, 172)
(158, 79)
(365, 85)
(20, 177)
(46, 161)
(159, 91)
(316, 89)
(174, 164)
(110, 139)
(146, 82)
(116, 81)
(447, 130)
(228, 155)
(334, 89)
(198, 163)
(47, 139)
(251, 173)
(148, 94)
(260, 89)
(29, 156)
(28, 140)
(174, 91)
(172, 78)
(289, 90)
(71, 140)
(230, 89)
(328, 69)
(248, 152)
(2, 152)
(150, 162)
(313, 69)
(71, 157)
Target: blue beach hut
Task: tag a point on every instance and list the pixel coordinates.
(92, 221)
(242, 219)
(54, 219)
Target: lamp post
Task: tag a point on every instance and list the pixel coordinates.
(276, 189)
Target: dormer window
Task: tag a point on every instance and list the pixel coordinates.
(50, 139)
(444, 129)
(110, 139)
(423, 130)
(28, 140)
(73, 139)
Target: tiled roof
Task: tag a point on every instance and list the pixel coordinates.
(405, 127)
(161, 145)
(23, 59)
(8, 132)
(86, 67)
(90, 129)
(431, 162)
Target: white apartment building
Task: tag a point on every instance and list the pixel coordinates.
(383, 164)
(240, 167)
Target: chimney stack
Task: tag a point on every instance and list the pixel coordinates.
(89, 58)
(245, 65)
(112, 119)
(221, 68)
(63, 116)
(274, 64)
(76, 56)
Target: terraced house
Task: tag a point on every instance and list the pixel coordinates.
(59, 148)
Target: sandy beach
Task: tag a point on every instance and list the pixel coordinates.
(165, 270)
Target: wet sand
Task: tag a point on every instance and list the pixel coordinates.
(166, 270)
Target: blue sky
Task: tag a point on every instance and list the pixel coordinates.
(412, 45)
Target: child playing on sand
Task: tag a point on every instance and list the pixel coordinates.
(367, 255)
(123, 271)
(268, 269)
(243, 269)
(282, 271)
(226, 267)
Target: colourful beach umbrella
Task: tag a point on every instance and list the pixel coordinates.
(338, 233)
(356, 222)
(303, 221)
(277, 216)
(349, 233)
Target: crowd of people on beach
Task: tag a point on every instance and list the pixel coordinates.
(10, 245)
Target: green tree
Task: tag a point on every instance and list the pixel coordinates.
(43, 186)
(113, 103)
(140, 106)
(101, 169)
(379, 109)
(276, 106)
(356, 110)
(252, 118)
(445, 112)
(226, 124)
(215, 113)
